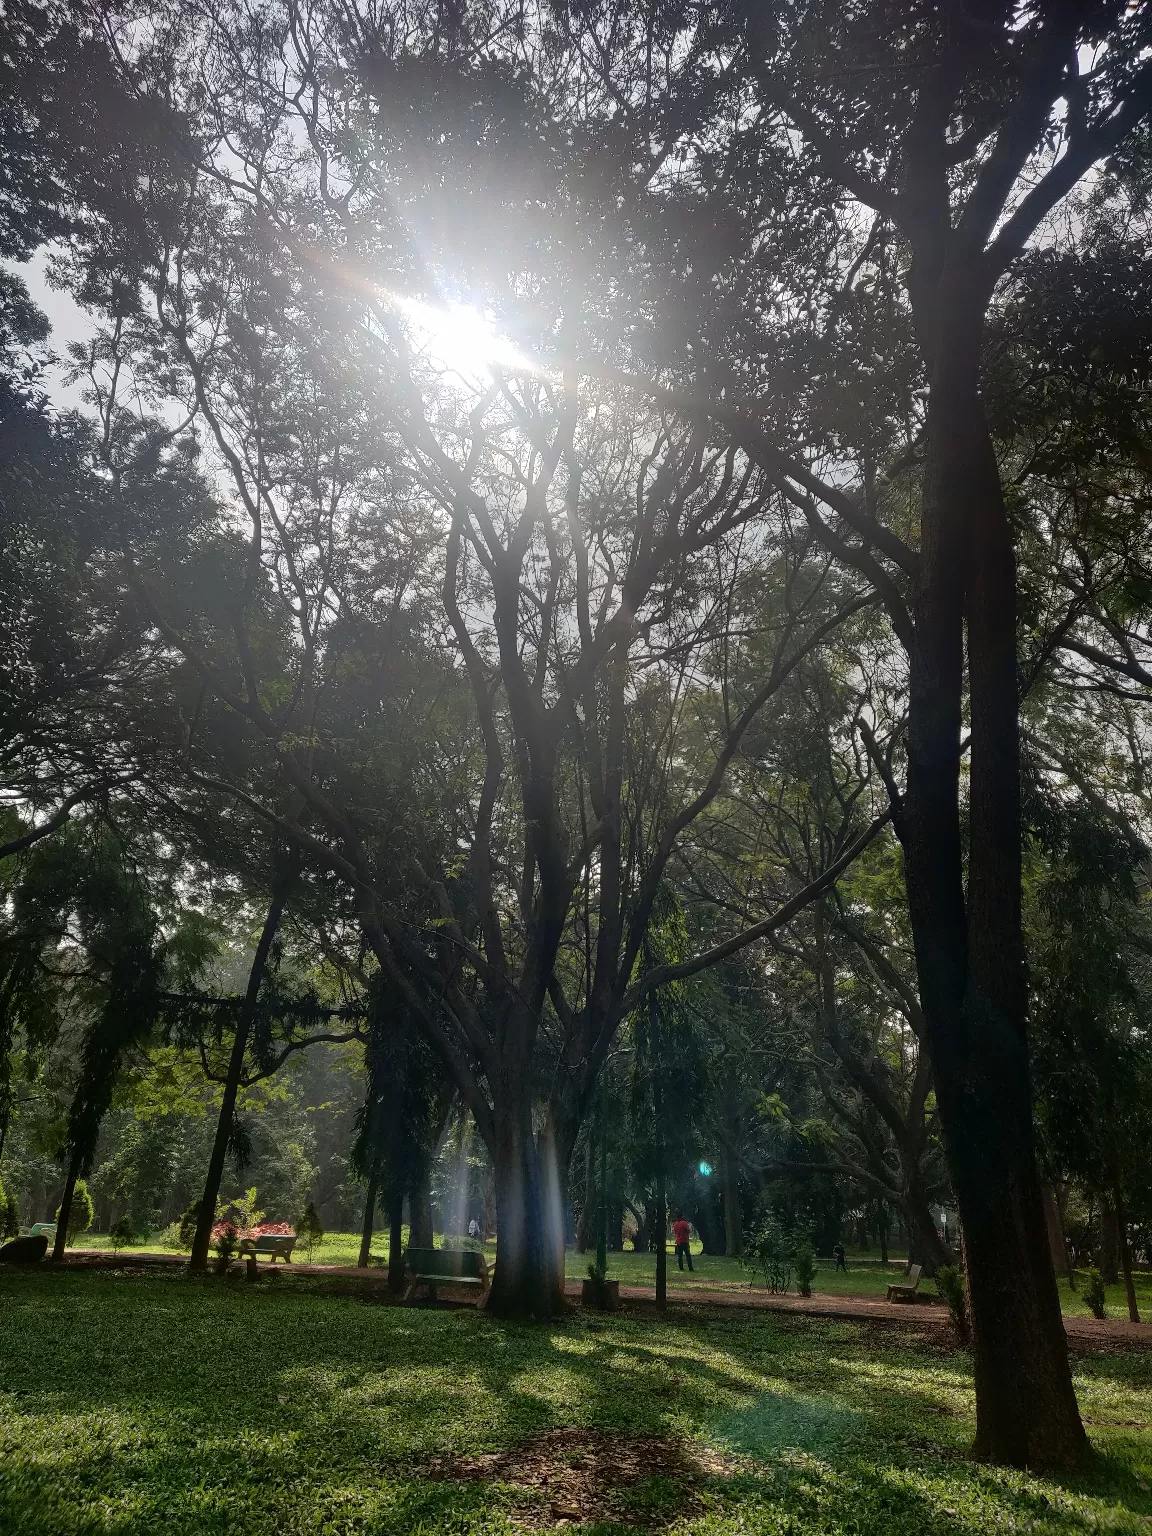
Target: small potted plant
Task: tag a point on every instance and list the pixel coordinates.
(599, 1292)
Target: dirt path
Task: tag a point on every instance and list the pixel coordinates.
(1084, 1333)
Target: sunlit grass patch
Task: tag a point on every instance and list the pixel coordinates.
(159, 1402)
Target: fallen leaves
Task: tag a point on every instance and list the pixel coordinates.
(580, 1475)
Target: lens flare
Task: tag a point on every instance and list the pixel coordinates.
(460, 339)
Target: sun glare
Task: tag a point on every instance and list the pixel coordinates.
(458, 338)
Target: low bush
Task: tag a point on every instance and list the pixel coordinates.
(308, 1228)
(186, 1226)
(771, 1255)
(950, 1285)
(225, 1240)
(804, 1265)
(81, 1214)
(1094, 1294)
(120, 1233)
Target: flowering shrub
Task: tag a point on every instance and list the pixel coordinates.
(263, 1229)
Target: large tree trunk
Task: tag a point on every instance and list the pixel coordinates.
(586, 1226)
(1109, 1243)
(661, 1224)
(396, 1238)
(368, 1223)
(528, 1281)
(1057, 1247)
(420, 1228)
(733, 1213)
(1126, 1255)
(924, 1238)
(925, 1245)
(207, 1213)
(65, 1210)
(969, 951)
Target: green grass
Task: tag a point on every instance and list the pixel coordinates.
(163, 1404)
(866, 1275)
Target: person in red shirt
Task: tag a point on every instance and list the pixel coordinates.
(682, 1232)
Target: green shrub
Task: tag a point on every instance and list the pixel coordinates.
(771, 1255)
(950, 1285)
(142, 1225)
(11, 1216)
(1094, 1294)
(244, 1212)
(804, 1265)
(120, 1233)
(309, 1230)
(81, 1214)
(227, 1242)
(173, 1239)
(186, 1227)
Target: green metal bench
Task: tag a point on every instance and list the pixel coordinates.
(274, 1245)
(44, 1229)
(428, 1268)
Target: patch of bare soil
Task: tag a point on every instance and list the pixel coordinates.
(576, 1476)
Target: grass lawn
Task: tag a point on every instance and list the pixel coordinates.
(866, 1275)
(162, 1404)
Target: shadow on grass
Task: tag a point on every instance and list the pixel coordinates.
(163, 1402)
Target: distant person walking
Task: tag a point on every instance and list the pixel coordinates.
(474, 1228)
(838, 1255)
(682, 1232)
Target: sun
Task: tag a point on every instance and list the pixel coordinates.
(460, 339)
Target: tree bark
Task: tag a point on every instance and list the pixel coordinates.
(586, 1226)
(528, 1281)
(661, 1221)
(969, 948)
(396, 1238)
(616, 1226)
(1056, 1245)
(1109, 1243)
(924, 1240)
(420, 1227)
(369, 1215)
(733, 1210)
(1126, 1255)
(65, 1211)
(207, 1214)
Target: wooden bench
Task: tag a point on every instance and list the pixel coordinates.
(274, 1245)
(906, 1292)
(428, 1268)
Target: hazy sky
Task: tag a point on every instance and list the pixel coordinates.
(69, 323)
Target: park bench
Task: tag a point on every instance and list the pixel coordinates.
(44, 1229)
(906, 1292)
(428, 1268)
(274, 1245)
